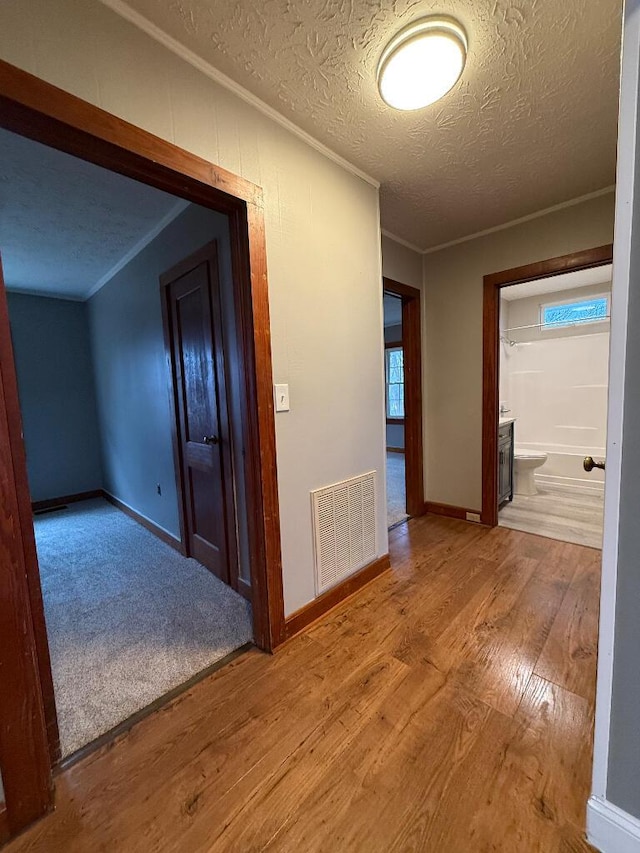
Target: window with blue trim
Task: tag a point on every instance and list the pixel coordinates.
(594, 310)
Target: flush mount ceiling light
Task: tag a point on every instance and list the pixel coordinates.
(422, 63)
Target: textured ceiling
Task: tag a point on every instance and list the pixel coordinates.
(531, 124)
(66, 224)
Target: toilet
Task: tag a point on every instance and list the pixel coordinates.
(525, 463)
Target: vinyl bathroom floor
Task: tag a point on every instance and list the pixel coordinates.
(557, 513)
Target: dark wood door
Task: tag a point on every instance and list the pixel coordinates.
(193, 325)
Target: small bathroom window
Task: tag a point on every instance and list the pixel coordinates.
(558, 314)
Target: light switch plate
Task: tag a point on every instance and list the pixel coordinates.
(282, 398)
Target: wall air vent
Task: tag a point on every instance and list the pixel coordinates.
(344, 526)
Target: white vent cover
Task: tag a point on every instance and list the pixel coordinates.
(344, 526)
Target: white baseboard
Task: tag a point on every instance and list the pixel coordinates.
(571, 484)
(610, 829)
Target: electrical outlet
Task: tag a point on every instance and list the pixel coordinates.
(159, 489)
(473, 516)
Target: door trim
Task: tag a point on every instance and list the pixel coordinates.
(4, 825)
(412, 346)
(207, 253)
(28, 725)
(33, 108)
(490, 354)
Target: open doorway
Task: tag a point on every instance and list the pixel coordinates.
(29, 742)
(545, 400)
(394, 402)
(133, 447)
(403, 401)
(554, 359)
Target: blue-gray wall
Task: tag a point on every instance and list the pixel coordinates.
(393, 334)
(131, 372)
(623, 783)
(395, 435)
(94, 382)
(57, 400)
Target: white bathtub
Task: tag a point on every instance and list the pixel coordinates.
(564, 468)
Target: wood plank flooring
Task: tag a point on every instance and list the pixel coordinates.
(446, 708)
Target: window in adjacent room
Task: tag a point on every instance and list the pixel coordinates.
(395, 382)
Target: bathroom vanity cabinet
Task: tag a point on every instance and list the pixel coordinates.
(505, 462)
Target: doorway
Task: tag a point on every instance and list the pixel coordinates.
(134, 604)
(403, 401)
(394, 403)
(546, 342)
(29, 746)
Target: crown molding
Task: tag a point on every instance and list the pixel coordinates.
(172, 214)
(44, 294)
(142, 23)
(502, 227)
(401, 241)
(521, 220)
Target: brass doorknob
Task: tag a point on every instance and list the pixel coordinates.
(589, 464)
(210, 439)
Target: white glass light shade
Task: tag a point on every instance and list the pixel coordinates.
(422, 63)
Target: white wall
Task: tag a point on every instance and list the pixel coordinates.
(401, 263)
(322, 234)
(556, 386)
(453, 353)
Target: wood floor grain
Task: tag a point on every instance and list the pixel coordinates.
(446, 708)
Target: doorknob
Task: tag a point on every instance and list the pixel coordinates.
(210, 439)
(589, 464)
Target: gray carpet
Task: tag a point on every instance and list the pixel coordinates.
(396, 497)
(128, 618)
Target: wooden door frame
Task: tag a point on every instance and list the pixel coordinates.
(42, 112)
(28, 725)
(206, 253)
(492, 285)
(412, 347)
